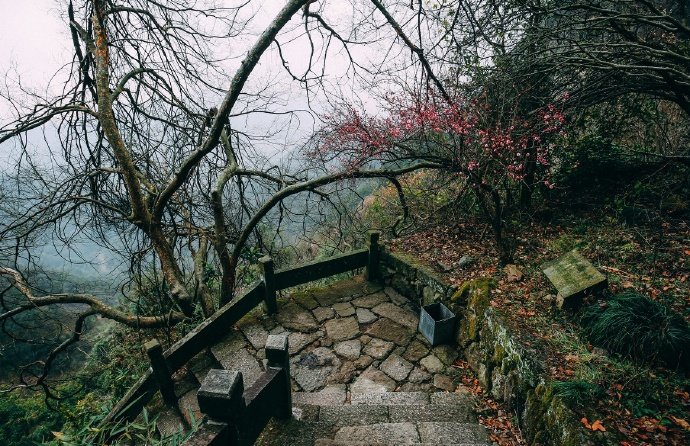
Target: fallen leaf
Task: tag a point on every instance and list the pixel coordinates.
(682, 394)
(597, 426)
(585, 423)
(680, 422)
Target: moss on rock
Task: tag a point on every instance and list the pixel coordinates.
(476, 294)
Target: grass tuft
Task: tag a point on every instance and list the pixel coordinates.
(578, 393)
(639, 328)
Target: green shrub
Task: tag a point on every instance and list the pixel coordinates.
(25, 419)
(578, 393)
(636, 327)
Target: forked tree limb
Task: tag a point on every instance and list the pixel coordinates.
(97, 306)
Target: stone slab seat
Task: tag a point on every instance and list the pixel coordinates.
(574, 277)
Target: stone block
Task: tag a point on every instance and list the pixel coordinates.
(298, 341)
(386, 433)
(451, 433)
(311, 370)
(255, 334)
(353, 415)
(396, 367)
(444, 382)
(379, 349)
(363, 362)
(331, 395)
(574, 277)
(294, 317)
(371, 381)
(400, 315)
(456, 399)
(349, 349)
(391, 398)
(342, 329)
(432, 364)
(389, 330)
(344, 309)
(365, 316)
(323, 313)
(370, 300)
(431, 412)
(415, 351)
(244, 362)
(418, 376)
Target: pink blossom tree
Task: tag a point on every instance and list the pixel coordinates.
(495, 153)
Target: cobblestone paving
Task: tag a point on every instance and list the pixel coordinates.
(351, 343)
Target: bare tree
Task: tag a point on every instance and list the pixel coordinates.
(144, 152)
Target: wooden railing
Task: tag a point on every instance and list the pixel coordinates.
(164, 364)
(235, 416)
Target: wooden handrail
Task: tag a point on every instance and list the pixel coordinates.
(208, 332)
(237, 416)
(185, 349)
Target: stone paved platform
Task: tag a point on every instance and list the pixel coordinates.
(351, 343)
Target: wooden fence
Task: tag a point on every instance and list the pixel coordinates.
(164, 364)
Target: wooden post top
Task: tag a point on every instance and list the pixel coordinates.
(266, 260)
(221, 394)
(153, 348)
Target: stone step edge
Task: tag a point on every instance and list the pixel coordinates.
(368, 414)
(372, 430)
(331, 398)
(329, 442)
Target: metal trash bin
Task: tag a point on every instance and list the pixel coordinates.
(437, 324)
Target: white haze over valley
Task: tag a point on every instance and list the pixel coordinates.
(36, 49)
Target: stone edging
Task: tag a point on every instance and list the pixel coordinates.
(506, 368)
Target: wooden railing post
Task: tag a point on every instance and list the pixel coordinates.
(278, 356)
(221, 398)
(221, 395)
(161, 372)
(374, 256)
(269, 284)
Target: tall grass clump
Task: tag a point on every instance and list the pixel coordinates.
(639, 328)
(578, 393)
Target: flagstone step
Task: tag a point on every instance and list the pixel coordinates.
(293, 432)
(350, 349)
(329, 442)
(390, 398)
(410, 433)
(371, 414)
(170, 423)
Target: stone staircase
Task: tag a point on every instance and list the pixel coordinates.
(378, 419)
(361, 374)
